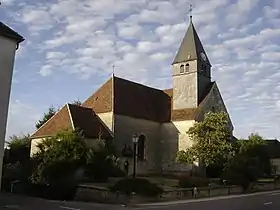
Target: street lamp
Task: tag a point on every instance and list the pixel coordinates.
(135, 141)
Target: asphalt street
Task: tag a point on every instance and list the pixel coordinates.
(258, 201)
(14, 202)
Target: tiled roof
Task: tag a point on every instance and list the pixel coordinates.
(139, 101)
(60, 121)
(191, 47)
(101, 100)
(83, 119)
(88, 122)
(130, 99)
(8, 32)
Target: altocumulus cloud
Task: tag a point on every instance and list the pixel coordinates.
(72, 45)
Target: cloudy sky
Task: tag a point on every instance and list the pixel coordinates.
(71, 46)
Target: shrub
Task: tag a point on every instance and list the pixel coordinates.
(139, 186)
(188, 181)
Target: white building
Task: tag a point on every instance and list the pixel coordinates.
(9, 42)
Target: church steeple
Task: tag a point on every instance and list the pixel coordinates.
(191, 47)
(191, 71)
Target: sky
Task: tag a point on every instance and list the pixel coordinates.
(71, 46)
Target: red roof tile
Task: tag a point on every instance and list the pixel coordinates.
(130, 99)
(60, 121)
(139, 101)
(101, 100)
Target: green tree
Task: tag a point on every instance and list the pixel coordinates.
(47, 115)
(18, 149)
(102, 162)
(211, 141)
(59, 157)
(18, 141)
(250, 161)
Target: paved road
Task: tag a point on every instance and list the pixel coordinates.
(259, 201)
(13, 202)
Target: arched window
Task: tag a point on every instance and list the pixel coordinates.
(187, 68)
(182, 69)
(141, 148)
(213, 109)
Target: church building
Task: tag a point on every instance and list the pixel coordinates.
(121, 108)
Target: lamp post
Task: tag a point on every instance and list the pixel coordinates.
(135, 141)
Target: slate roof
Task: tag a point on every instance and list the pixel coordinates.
(10, 33)
(191, 47)
(72, 116)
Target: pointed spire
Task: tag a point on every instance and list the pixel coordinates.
(191, 46)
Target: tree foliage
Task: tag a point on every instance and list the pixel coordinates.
(47, 115)
(66, 153)
(18, 141)
(251, 161)
(58, 157)
(211, 140)
(18, 149)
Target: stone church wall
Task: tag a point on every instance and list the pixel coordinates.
(126, 126)
(174, 139)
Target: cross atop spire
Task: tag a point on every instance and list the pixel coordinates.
(190, 11)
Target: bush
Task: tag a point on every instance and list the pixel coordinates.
(188, 181)
(139, 186)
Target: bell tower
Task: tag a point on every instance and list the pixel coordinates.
(191, 71)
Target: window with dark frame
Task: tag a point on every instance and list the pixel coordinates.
(182, 69)
(187, 68)
(141, 148)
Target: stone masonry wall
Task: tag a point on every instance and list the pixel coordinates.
(125, 127)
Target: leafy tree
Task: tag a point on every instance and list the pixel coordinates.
(251, 161)
(47, 115)
(18, 141)
(18, 149)
(211, 141)
(59, 157)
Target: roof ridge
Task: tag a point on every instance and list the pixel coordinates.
(136, 83)
(42, 126)
(70, 115)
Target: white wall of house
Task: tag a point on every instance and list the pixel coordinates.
(7, 56)
(34, 149)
